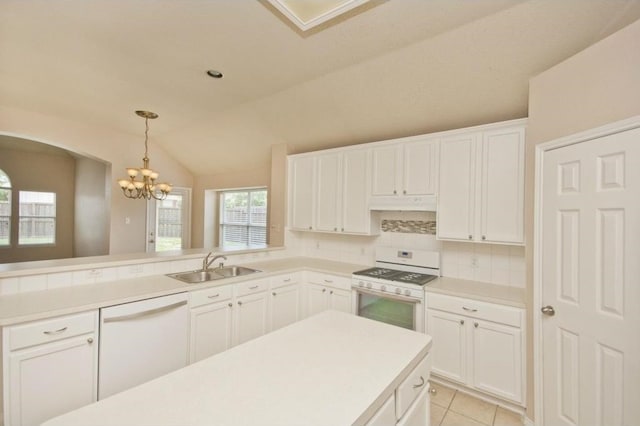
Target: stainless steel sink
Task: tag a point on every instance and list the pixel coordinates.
(196, 277)
(234, 271)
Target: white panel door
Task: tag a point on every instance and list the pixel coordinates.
(457, 183)
(449, 344)
(317, 299)
(386, 170)
(251, 317)
(340, 300)
(420, 167)
(497, 359)
(210, 330)
(51, 379)
(356, 217)
(502, 195)
(302, 193)
(591, 278)
(328, 192)
(285, 306)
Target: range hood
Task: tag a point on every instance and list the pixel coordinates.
(424, 203)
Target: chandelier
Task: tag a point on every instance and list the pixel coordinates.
(146, 187)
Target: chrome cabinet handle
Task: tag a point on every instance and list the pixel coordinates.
(54, 332)
(145, 313)
(335, 229)
(469, 309)
(461, 322)
(310, 227)
(286, 280)
(470, 237)
(90, 340)
(433, 391)
(213, 296)
(421, 383)
(404, 191)
(484, 237)
(230, 305)
(394, 191)
(273, 294)
(253, 288)
(548, 310)
(328, 281)
(475, 324)
(240, 303)
(331, 292)
(324, 290)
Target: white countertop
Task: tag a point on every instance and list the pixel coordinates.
(486, 292)
(330, 369)
(22, 307)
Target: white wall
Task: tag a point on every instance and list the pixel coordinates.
(92, 212)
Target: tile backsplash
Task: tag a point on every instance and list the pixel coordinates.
(492, 263)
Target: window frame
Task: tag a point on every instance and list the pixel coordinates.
(9, 217)
(248, 225)
(54, 217)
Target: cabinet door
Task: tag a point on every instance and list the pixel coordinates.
(497, 359)
(251, 317)
(285, 306)
(386, 169)
(456, 195)
(51, 379)
(328, 191)
(502, 194)
(356, 217)
(302, 192)
(420, 167)
(449, 344)
(340, 300)
(210, 330)
(317, 298)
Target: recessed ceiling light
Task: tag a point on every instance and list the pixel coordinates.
(214, 73)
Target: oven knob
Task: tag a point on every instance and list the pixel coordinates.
(368, 285)
(383, 288)
(398, 291)
(407, 292)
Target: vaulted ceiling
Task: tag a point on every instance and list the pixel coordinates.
(386, 69)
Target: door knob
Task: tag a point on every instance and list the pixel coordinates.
(548, 310)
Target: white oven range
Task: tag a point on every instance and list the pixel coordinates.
(393, 291)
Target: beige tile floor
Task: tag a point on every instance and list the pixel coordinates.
(453, 408)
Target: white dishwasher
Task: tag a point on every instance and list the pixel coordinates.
(140, 341)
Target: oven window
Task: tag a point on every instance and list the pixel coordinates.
(391, 311)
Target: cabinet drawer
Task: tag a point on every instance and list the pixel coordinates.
(210, 295)
(411, 387)
(50, 330)
(476, 309)
(285, 279)
(329, 280)
(253, 286)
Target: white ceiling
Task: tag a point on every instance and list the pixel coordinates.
(388, 69)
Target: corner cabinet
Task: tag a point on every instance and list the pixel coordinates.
(50, 366)
(328, 192)
(481, 185)
(478, 344)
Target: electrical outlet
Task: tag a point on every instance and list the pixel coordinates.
(474, 261)
(317, 244)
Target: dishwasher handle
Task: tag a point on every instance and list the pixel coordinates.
(142, 314)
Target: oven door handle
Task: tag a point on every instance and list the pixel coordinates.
(387, 295)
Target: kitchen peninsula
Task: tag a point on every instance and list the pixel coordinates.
(329, 369)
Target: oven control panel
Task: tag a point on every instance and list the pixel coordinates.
(387, 288)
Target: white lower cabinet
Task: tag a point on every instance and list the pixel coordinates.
(478, 344)
(285, 300)
(327, 291)
(211, 317)
(250, 317)
(50, 368)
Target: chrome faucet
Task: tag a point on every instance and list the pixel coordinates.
(206, 262)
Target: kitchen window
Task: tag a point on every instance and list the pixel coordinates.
(5, 209)
(243, 218)
(37, 218)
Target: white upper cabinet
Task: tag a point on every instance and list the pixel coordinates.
(302, 192)
(481, 185)
(405, 168)
(333, 192)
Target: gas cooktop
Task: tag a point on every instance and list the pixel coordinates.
(398, 276)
